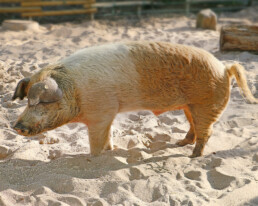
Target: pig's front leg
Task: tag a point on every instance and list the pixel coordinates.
(99, 135)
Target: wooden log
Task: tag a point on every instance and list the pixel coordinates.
(59, 13)
(19, 25)
(239, 38)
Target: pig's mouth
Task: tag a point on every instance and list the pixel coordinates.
(27, 133)
(21, 130)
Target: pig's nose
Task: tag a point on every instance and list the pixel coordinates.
(20, 128)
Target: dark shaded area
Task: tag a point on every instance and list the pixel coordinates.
(154, 7)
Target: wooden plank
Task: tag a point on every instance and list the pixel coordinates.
(87, 6)
(15, 1)
(239, 38)
(121, 3)
(59, 13)
(19, 9)
(216, 1)
(57, 3)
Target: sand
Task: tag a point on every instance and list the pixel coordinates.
(146, 168)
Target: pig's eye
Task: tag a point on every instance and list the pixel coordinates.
(40, 105)
(45, 103)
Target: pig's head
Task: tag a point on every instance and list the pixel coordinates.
(49, 105)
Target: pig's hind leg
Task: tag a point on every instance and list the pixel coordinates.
(204, 116)
(190, 137)
(99, 135)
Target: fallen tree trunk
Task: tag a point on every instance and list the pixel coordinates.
(239, 38)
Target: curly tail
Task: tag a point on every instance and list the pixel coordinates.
(239, 72)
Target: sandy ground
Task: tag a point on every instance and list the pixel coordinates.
(147, 168)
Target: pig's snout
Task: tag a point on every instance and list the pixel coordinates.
(21, 129)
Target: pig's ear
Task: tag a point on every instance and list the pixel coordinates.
(20, 91)
(46, 91)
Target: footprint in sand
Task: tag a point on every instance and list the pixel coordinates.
(155, 146)
(157, 141)
(2, 89)
(76, 39)
(109, 188)
(41, 190)
(218, 180)
(255, 157)
(4, 151)
(136, 174)
(132, 143)
(213, 163)
(62, 32)
(168, 121)
(253, 141)
(96, 202)
(71, 200)
(136, 155)
(178, 130)
(255, 168)
(10, 105)
(177, 112)
(45, 192)
(72, 126)
(173, 202)
(17, 198)
(157, 137)
(144, 113)
(193, 175)
(240, 183)
(240, 122)
(149, 190)
(9, 135)
(134, 117)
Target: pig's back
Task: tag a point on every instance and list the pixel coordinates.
(153, 73)
(177, 74)
(106, 74)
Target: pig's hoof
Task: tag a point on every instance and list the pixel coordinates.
(95, 152)
(196, 154)
(109, 147)
(184, 142)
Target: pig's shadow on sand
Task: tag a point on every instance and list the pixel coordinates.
(26, 175)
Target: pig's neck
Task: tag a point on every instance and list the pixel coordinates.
(71, 99)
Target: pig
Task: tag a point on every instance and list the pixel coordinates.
(94, 84)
